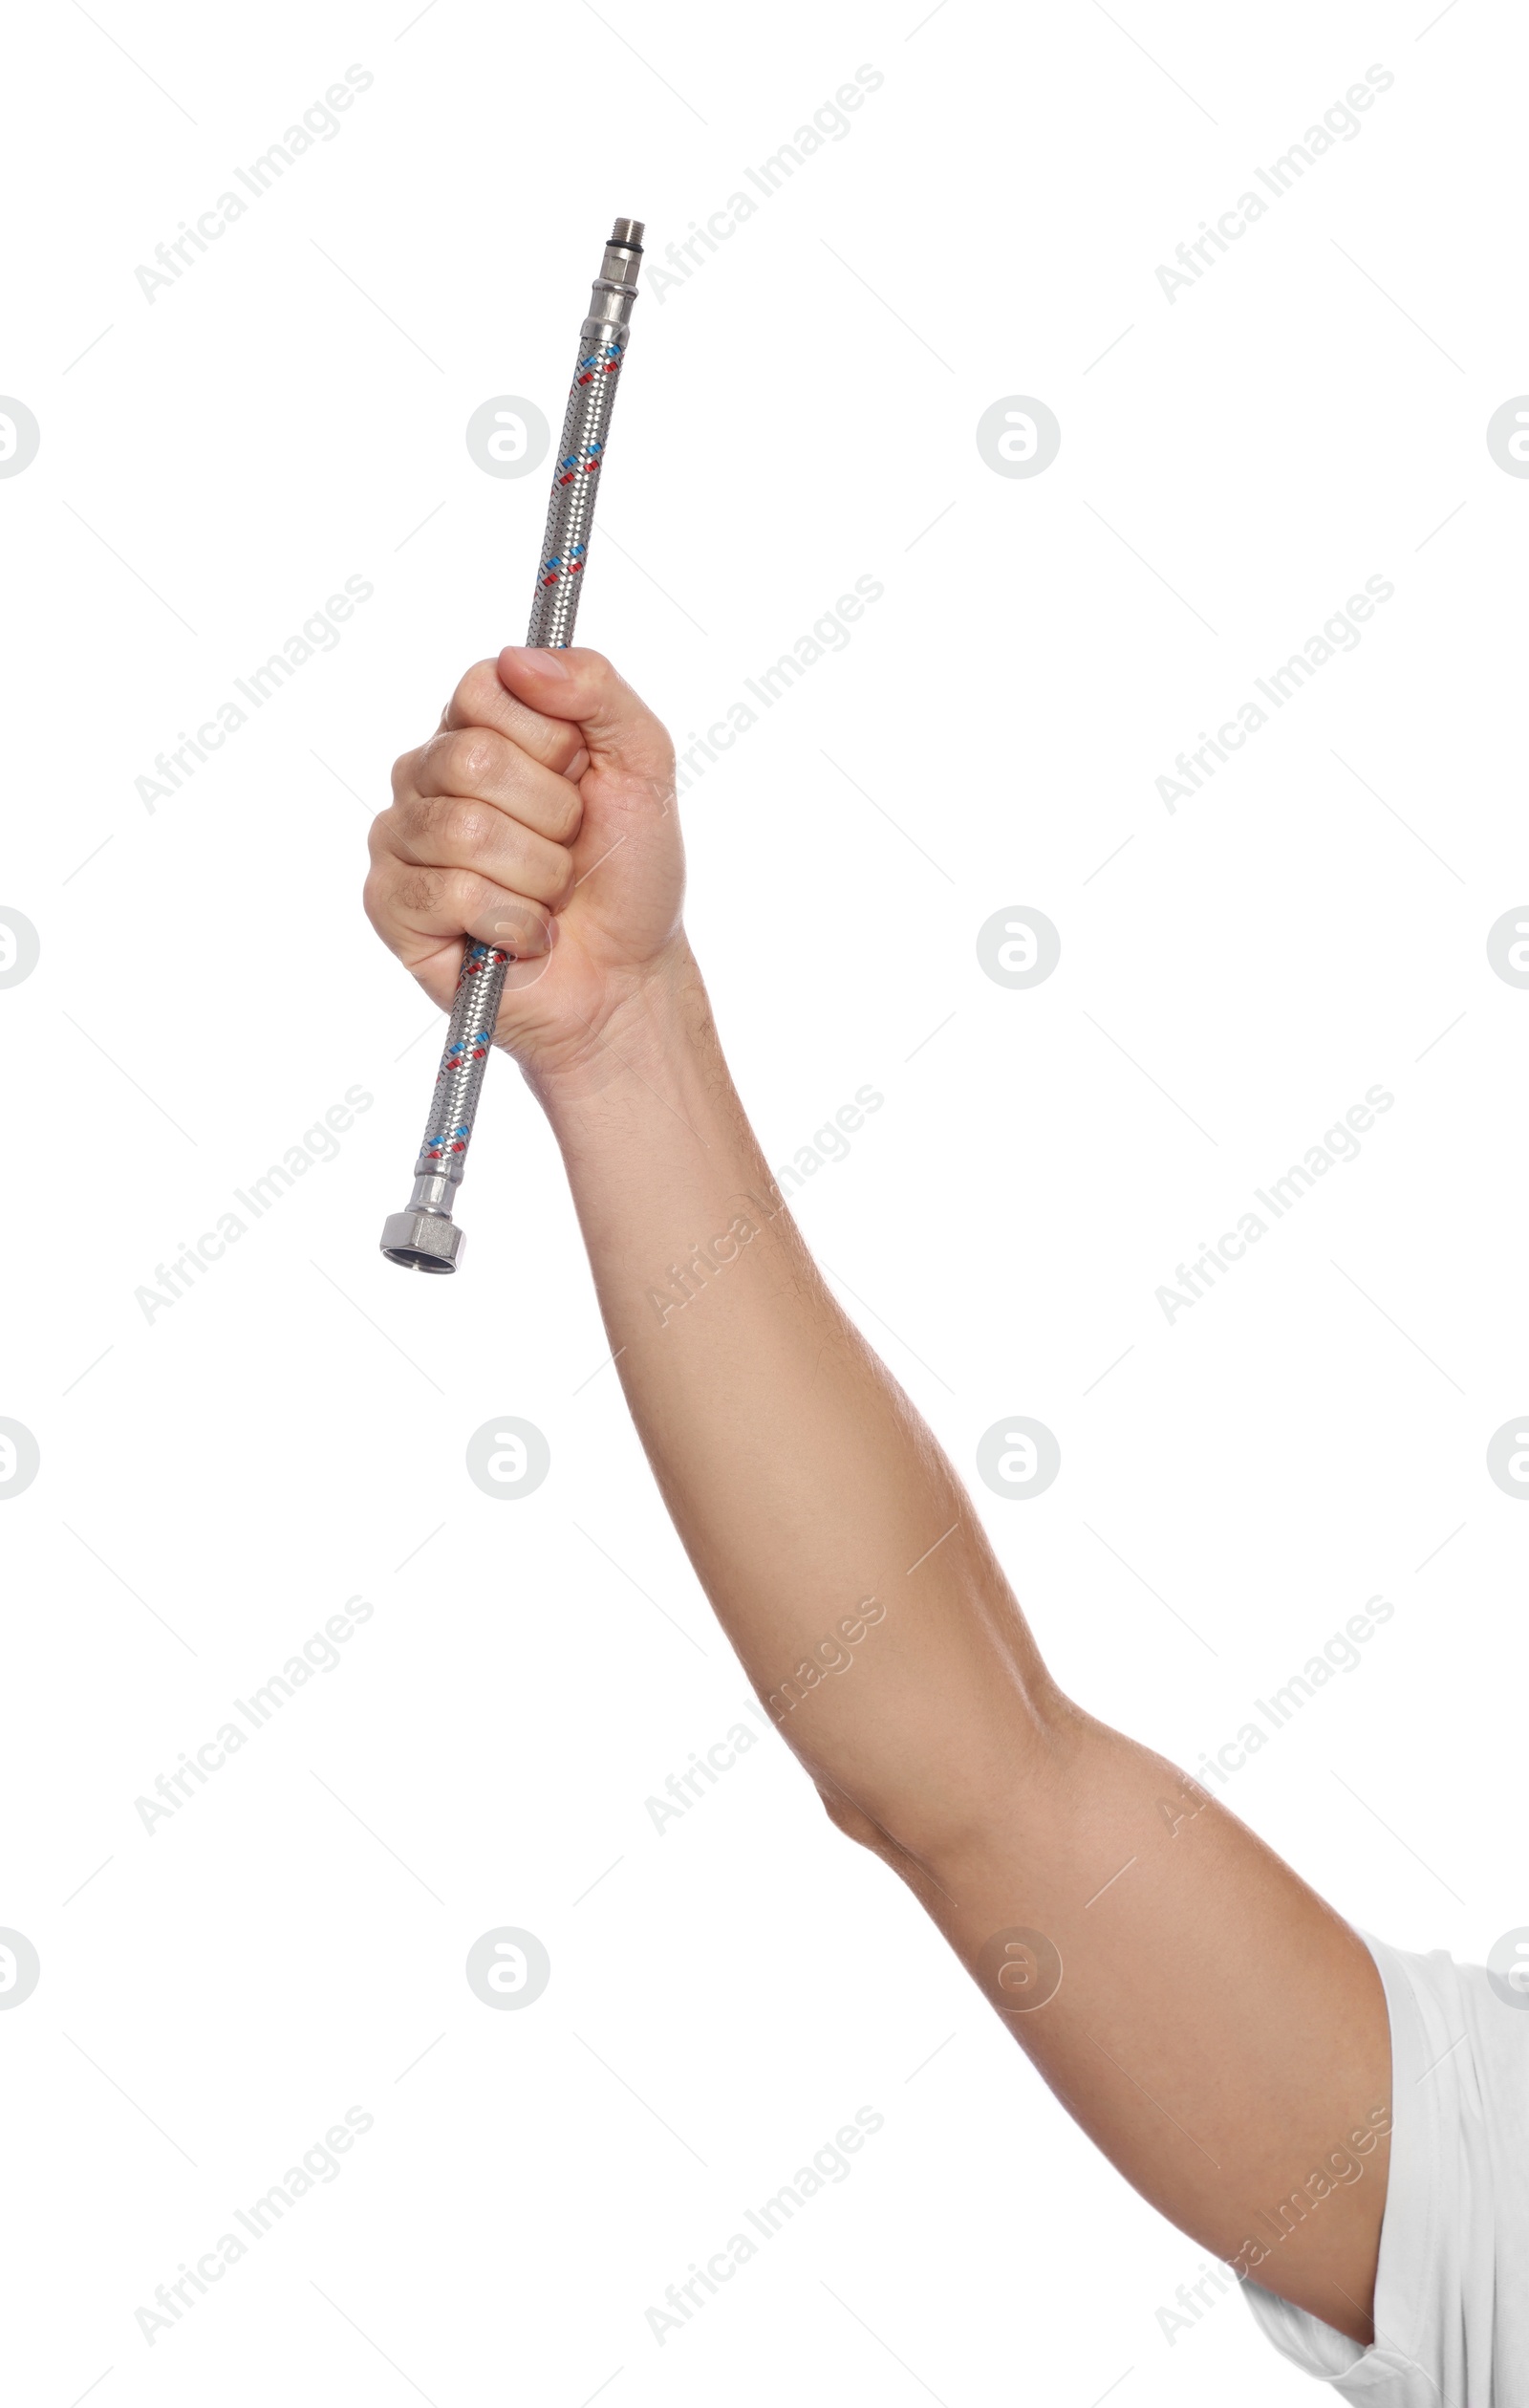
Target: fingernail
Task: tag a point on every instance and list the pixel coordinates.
(547, 661)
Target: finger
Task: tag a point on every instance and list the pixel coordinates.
(483, 767)
(422, 914)
(619, 730)
(481, 701)
(451, 831)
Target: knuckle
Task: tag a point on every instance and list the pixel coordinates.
(477, 691)
(474, 897)
(468, 757)
(419, 817)
(402, 773)
(420, 889)
(567, 815)
(464, 826)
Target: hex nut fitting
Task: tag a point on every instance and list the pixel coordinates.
(422, 1241)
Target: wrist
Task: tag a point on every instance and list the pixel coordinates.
(660, 1014)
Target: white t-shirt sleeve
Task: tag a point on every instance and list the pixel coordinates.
(1452, 2293)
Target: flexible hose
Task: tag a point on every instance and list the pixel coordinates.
(410, 1238)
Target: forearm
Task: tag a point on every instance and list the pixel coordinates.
(825, 1524)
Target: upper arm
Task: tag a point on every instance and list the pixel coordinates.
(1219, 2032)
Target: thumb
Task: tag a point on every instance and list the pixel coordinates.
(620, 731)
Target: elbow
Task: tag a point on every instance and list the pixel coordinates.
(852, 1820)
(858, 1825)
(983, 1786)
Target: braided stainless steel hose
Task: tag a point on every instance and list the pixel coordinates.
(425, 1237)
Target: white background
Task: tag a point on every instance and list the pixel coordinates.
(217, 1481)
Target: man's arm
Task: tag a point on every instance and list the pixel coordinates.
(1218, 2031)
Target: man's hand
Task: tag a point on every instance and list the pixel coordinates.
(539, 816)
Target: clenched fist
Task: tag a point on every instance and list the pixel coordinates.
(540, 816)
